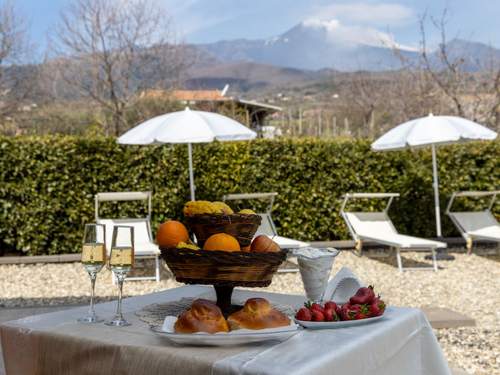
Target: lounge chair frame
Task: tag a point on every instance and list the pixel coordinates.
(359, 238)
(133, 196)
(453, 215)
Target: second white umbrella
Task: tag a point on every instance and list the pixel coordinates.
(432, 131)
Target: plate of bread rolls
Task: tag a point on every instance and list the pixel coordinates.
(204, 324)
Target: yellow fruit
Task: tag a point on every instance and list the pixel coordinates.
(247, 211)
(221, 241)
(184, 245)
(223, 208)
(199, 207)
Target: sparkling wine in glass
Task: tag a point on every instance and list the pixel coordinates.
(121, 261)
(93, 259)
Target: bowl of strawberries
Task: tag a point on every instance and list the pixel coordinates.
(363, 307)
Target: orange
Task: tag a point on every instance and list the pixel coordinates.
(170, 233)
(221, 241)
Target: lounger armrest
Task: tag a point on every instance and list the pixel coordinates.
(476, 193)
(123, 196)
(371, 195)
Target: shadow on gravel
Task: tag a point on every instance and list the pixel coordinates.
(390, 259)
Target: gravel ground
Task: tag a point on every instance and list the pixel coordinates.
(469, 285)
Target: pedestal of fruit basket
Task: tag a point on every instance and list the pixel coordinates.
(223, 270)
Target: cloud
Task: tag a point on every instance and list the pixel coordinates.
(350, 36)
(379, 14)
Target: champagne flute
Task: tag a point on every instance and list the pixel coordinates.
(93, 259)
(121, 261)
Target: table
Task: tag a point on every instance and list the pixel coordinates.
(400, 343)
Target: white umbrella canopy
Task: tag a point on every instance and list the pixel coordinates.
(432, 131)
(187, 127)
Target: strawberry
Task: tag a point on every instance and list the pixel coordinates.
(363, 312)
(363, 296)
(331, 305)
(349, 312)
(331, 315)
(304, 314)
(317, 307)
(317, 316)
(377, 307)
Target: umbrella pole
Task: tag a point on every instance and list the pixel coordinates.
(191, 173)
(441, 254)
(435, 185)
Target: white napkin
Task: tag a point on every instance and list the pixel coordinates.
(342, 286)
(168, 327)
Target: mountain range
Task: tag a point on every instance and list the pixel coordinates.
(310, 50)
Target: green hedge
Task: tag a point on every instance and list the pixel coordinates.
(47, 184)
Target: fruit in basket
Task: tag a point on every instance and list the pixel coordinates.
(247, 211)
(199, 207)
(170, 233)
(263, 244)
(221, 241)
(187, 245)
(363, 296)
(222, 208)
(246, 249)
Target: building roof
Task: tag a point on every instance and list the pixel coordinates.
(253, 103)
(187, 95)
(207, 96)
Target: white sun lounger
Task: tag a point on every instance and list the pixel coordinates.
(475, 225)
(144, 247)
(378, 227)
(267, 226)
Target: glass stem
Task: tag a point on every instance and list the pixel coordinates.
(120, 278)
(93, 276)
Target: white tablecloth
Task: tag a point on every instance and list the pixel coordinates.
(401, 343)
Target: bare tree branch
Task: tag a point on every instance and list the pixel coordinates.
(110, 49)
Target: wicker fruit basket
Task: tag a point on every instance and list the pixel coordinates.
(242, 227)
(224, 270)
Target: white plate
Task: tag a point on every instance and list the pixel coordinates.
(224, 339)
(338, 324)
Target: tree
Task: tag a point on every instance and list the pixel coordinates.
(109, 50)
(471, 85)
(14, 47)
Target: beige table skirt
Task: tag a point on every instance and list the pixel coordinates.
(400, 343)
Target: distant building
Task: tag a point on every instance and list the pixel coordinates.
(254, 113)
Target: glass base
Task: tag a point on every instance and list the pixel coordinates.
(118, 322)
(90, 319)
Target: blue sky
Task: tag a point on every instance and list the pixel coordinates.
(202, 21)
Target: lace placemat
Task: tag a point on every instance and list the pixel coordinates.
(155, 314)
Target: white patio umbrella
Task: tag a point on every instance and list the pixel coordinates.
(187, 127)
(432, 131)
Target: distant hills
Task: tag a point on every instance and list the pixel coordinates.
(309, 52)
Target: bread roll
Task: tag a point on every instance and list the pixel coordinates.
(203, 316)
(257, 314)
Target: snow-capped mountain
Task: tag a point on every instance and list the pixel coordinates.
(314, 45)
